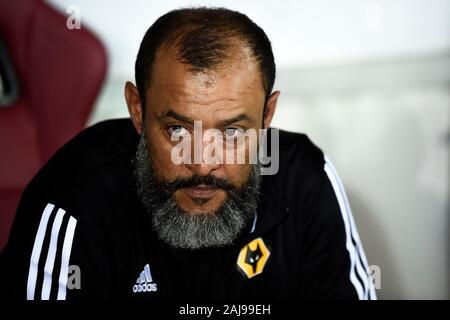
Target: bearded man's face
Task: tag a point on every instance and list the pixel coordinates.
(195, 205)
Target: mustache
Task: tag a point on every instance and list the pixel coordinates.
(195, 180)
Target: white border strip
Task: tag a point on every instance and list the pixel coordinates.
(36, 253)
(50, 262)
(350, 230)
(67, 248)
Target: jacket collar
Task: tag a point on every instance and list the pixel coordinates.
(272, 209)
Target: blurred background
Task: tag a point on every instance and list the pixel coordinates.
(367, 80)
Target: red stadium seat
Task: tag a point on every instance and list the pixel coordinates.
(59, 73)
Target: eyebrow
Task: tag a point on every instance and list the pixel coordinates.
(241, 117)
(172, 114)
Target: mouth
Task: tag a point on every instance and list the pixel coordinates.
(201, 191)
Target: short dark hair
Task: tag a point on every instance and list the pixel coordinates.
(203, 37)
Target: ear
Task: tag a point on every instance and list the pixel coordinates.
(271, 105)
(134, 105)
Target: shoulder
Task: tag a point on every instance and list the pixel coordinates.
(300, 161)
(298, 152)
(89, 173)
(300, 174)
(79, 196)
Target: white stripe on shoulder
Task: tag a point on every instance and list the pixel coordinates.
(255, 219)
(67, 248)
(363, 268)
(36, 253)
(371, 294)
(50, 262)
(350, 229)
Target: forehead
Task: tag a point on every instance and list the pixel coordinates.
(235, 83)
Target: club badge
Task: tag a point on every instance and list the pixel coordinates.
(253, 257)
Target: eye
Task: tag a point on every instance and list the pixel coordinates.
(177, 131)
(231, 133)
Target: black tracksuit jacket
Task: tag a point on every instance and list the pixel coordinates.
(81, 233)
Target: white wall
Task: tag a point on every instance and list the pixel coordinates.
(303, 32)
(369, 82)
(390, 144)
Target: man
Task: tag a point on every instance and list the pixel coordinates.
(113, 215)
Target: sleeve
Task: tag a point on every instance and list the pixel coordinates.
(58, 248)
(334, 264)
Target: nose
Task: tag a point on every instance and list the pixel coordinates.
(204, 163)
(203, 169)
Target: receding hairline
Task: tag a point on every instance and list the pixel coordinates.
(208, 36)
(237, 50)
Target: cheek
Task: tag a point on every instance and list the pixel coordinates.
(160, 150)
(238, 174)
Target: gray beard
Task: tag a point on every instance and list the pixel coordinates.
(193, 231)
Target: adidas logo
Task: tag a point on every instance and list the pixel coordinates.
(144, 282)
